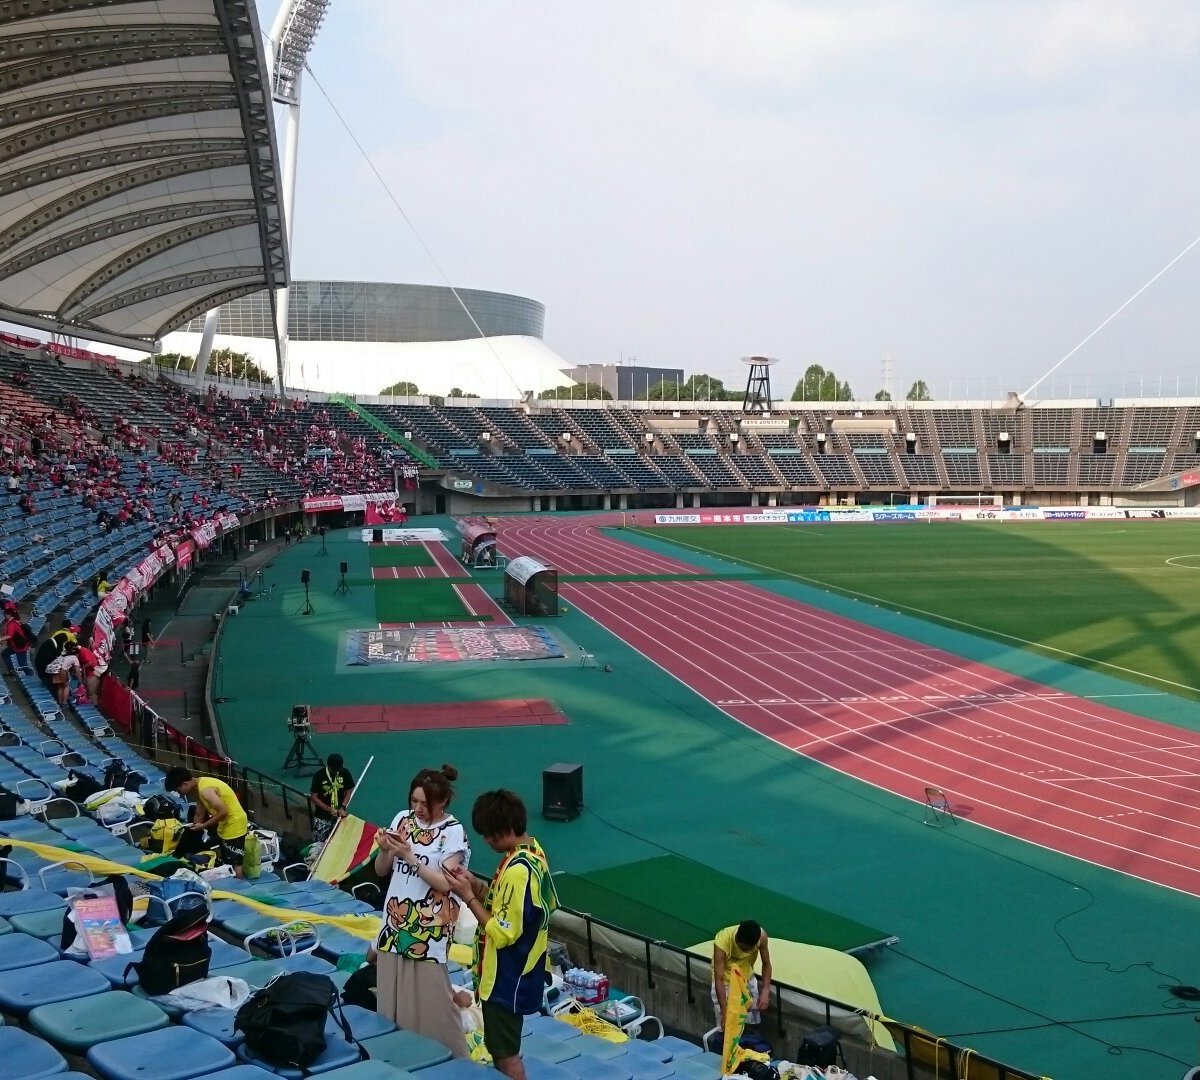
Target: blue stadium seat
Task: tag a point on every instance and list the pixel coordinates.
(337, 1053)
(25, 950)
(171, 1053)
(406, 1050)
(22, 989)
(76, 1025)
(381, 1070)
(364, 1024)
(554, 1051)
(26, 1057)
(217, 1024)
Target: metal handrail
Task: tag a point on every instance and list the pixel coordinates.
(971, 1063)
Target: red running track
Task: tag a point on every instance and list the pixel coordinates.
(1070, 773)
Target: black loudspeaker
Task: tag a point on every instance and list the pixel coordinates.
(562, 792)
(376, 536)
(305, 577)
(344, 568)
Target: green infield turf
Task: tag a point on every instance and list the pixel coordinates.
(622, 895)
(399, 555)
(1121, 597)
(420, 600)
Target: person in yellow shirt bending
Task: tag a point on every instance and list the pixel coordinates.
(741, 946)
(217, 806)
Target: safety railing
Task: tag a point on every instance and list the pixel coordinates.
(919, 1053)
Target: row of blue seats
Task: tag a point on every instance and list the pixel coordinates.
(72, 1004)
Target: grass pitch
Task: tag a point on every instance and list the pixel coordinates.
(1121, 597)
(420, 600)
(400, 555)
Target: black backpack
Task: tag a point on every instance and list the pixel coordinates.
(284, 1022)
(362, 988)
(821, 1047)
(178, 953)
(118, 774)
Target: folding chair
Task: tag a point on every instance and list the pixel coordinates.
(586, 659)
(937, 808)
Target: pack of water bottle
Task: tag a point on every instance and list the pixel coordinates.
(588, 987)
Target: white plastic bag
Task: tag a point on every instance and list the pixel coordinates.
(215, 992)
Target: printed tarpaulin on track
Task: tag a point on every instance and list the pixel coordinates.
(449, 644)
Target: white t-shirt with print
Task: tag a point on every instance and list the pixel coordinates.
(418, 921)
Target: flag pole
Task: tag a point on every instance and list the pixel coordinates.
(338, 824)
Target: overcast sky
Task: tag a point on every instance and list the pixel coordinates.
(971, 187)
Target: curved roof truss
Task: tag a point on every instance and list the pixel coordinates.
(138, 180)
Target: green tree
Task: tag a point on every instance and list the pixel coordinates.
(174, 361)
(223, 362)
(400, 389)
(697, 388)
(918, 392)
(667, 390)
(817, 384)
(579, 392)
(882, 395)
(457, 392)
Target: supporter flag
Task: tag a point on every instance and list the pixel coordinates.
(350, 846)
(737, 1005)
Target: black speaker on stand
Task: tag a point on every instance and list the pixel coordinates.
(306, 608)
(562, 792)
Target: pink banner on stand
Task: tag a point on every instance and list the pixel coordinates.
(320, 504)
(184, 553)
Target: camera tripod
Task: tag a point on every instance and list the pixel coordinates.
(306, 608)
(302, 755)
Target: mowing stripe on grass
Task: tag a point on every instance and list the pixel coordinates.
(399, 555)
(419, 600)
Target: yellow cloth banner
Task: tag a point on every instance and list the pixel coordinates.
(737, 1005)
(361, 926)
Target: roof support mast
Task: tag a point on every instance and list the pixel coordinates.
(291, 40)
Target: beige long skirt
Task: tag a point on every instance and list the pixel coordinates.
(416, 996)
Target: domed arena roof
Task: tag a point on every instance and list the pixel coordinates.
(138, 180)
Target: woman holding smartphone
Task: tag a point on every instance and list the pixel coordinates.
(420, 911)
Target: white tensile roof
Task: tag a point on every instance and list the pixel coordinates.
(137, 170)
(496, 368)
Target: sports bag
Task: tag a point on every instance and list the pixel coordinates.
(361, 988)
(177, 954)
(284, 1022)
(821, 1047)
(181, 882)
(164, 835)
(758, 1070)
(9, 804)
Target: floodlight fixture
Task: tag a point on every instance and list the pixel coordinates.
(292, 36)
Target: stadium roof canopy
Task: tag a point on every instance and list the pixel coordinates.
(137, 165)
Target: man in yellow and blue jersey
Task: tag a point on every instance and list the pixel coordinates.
(514, 917)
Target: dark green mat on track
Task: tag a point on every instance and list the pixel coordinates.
(419, 600)
(713, 899)
(399, 555)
